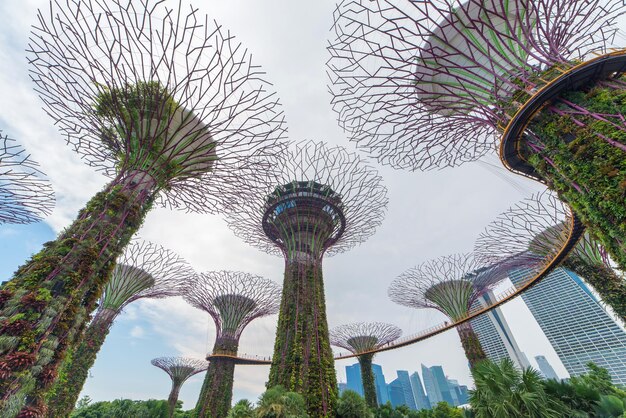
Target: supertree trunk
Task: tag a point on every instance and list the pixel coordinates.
(75, 368)
(42, 300)
(578, 146)
(217, 389)
(172, 399)
(367, 376)
(609, 285)
(303, 360)
(473, 349)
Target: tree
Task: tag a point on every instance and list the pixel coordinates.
(122, 408)
(451, 284)
(326, 201)
(363, 338)
(352, 405)
(503, 391)
(188, 122)
(242, 409)
(589, 394)
(276, 402)
(233, 299)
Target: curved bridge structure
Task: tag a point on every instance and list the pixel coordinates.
(575, 231)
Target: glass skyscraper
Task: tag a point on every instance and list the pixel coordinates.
(495, 336)
(576, 324)
(421, 400)
(436, 385)
(354, 382)
(545, 368)
(405, 382)
(459, 392)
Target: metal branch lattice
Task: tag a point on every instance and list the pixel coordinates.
(180, 368)
(450, 284)
(326, 201)
(138, 87)
(424, 84)
(537, 226)
(233, 299)
(362, 337)
(145, 270)
(25, 195)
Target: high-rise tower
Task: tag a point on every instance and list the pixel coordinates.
(577, 326)
(494, 334)
(436, 385)
(545, 368)
(421, 400)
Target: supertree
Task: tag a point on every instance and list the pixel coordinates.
(326, 201)
(233, 299)
(537, 225)
(25, 195)
(179, 370)
(363, 338)
(451, 284)
(424, 84)
(169, 106)
(145, 270)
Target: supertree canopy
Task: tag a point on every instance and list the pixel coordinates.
(168, 105)
(424, 84)
(326, 201)
(451, 284)
(362, 338)
(145, 270)
(233, 299)
(537, 225)
(179, 370)
(25, 195)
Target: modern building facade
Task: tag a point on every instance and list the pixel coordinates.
(495, 336)
(436, 384)
(421, 400)
(381, 386)
(546, 368)
(459, 392)
(353, 378)
(575, 323)
(396, 393)
(354, 382)
(405, 381)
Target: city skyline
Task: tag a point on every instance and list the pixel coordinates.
(407, 389)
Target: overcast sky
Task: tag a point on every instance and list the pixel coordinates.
(430, 214)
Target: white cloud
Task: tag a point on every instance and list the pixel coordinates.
(137, 332)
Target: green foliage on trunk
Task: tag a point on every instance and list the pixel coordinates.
(303, 360)
(580, 164)
(75, 369)
(44, 306)
(471, 344)
(367, 376)
(217, 390)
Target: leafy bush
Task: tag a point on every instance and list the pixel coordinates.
(352, 405)
(276, 402)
